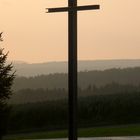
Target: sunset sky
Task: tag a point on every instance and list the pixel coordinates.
(31, 35)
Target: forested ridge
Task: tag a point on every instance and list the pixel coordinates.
(25, 96)
(54, 86)
(86, 78)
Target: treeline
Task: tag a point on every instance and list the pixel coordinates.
(41, 95)
(37, 95)
(93, 111)
(86, 78)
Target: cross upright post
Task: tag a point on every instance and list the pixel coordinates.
(72, 70)
(72, 60)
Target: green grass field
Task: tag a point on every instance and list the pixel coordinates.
(123, 130)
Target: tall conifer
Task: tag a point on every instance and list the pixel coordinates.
(6, 81)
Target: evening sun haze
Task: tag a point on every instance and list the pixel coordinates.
(33, 36)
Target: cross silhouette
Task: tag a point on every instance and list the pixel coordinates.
(72, 59)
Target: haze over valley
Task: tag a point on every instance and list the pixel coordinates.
(34, 69)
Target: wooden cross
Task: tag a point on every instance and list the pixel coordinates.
(72, 59)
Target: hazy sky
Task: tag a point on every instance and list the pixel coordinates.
(32, 35)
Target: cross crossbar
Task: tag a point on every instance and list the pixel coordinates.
(68, 9)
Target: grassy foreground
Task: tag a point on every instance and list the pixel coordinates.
(124, 130)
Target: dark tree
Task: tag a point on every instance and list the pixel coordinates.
(6, 80)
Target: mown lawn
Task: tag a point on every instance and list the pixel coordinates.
(123, 130)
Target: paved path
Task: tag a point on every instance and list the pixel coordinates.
(101, 138)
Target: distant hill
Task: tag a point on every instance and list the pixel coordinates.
(54, 86)
(26, 69)
(97, 77)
